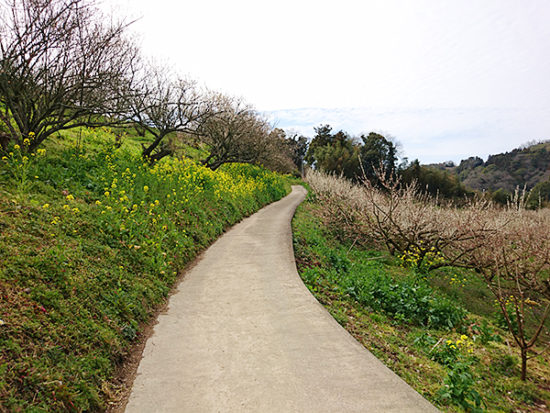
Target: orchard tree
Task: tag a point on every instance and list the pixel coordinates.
(165, 105)
(515, 263)
(62, 65)
(278, 155)
(234, 133)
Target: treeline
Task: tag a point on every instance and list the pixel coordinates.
(64, 65)
(367, 156)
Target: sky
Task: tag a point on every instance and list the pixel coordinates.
(447, 79)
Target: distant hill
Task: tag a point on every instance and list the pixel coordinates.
(529, 166)
(525, 166)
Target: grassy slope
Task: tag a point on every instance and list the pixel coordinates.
(91, 241)
(334, 272)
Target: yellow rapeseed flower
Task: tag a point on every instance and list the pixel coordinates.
(46, 206)
(70, 197)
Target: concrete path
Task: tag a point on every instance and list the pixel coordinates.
(243, 334)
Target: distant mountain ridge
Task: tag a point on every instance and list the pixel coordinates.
(526, 166)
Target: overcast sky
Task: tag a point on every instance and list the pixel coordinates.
(447, 79)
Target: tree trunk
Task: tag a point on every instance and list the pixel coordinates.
(152, 159)
(4, 141)
(523, 364)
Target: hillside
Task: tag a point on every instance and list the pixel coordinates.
(91, 242)
(527, 166)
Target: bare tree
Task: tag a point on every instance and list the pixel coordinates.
(515, 264)
(279, 153)
(165, 105)
(235, 133)
(62, 65)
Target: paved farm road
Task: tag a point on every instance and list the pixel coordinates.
(243, 334)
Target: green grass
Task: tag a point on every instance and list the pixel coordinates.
(91, 242)
(353, 285)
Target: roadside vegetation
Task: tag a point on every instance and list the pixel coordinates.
(92, 239)
(455, 300)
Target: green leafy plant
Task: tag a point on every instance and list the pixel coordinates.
(458, 389)
(485, 333)
(406, 300)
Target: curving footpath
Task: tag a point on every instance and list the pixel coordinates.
(243, 334)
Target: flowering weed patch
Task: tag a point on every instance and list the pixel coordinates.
(89, 249)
